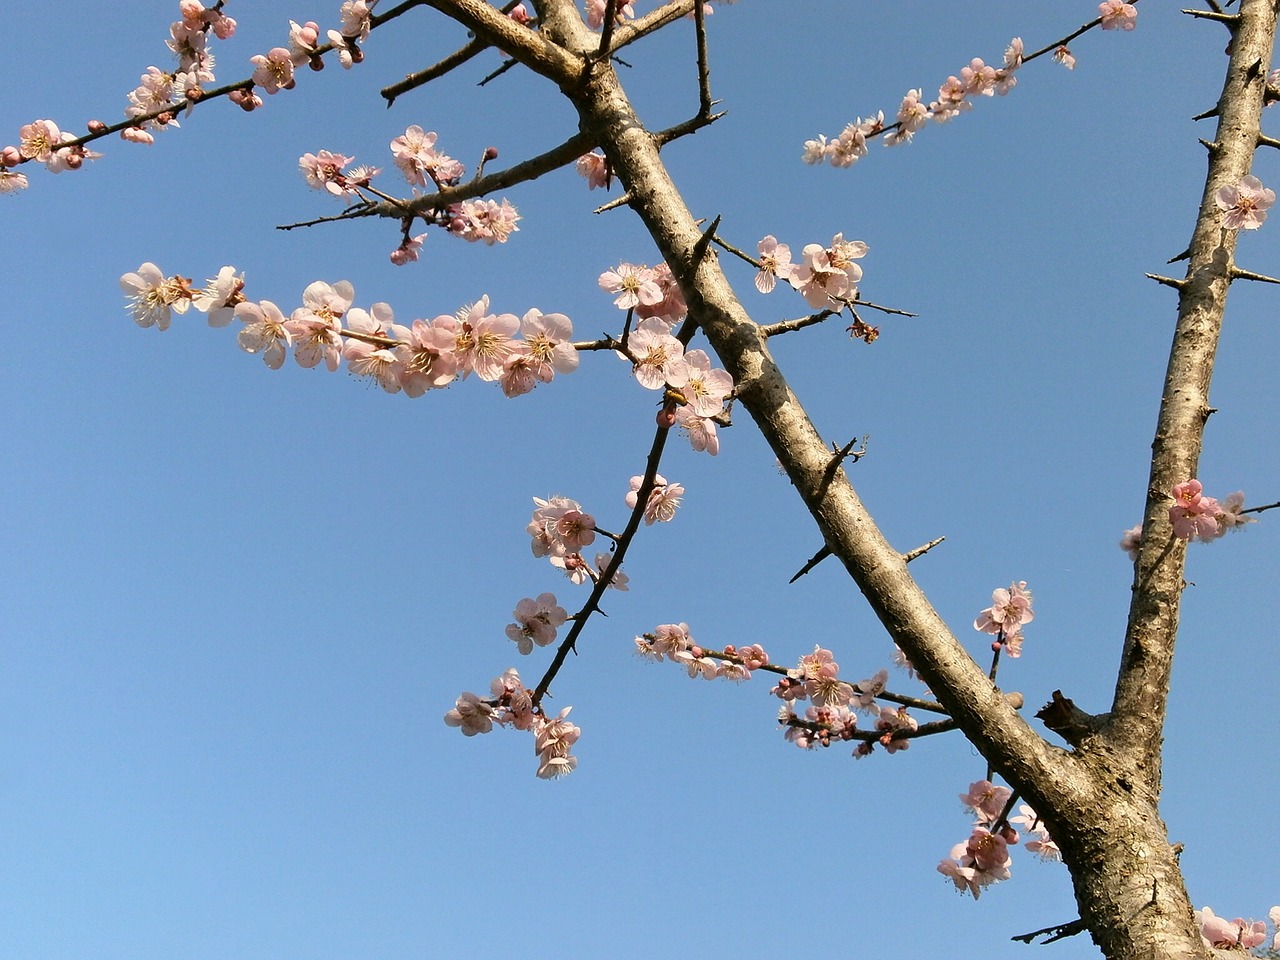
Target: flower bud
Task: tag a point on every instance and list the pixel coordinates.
(96, 126)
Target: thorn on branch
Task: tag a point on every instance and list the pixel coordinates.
(1230, 20)
(812, 562)
(1238, 274)
(1167, 281)
(1057, 932)
(614, 204)
(921, 550)
(700, 248)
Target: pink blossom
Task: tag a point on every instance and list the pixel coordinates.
(775, 264)
(1009, 610)
(851, 145)
(38, 140)
(1118, 15)
(701, 431)
(415, 155)
(659, 357)
(426, 355)
(220, 295)
(273, 71)
(356, 16)
(1230, 516)
(980, 861)
(912, 115)
(1063, 56)
(986, 800)
(1227, 934)
(633, 284)
(1193, 515)
(547, 336)
(153, 297)
(303, 40)
(471, 715)
(263, 331)
(978, 79)
(594, 168)
(595, 10)
(11, 182)
(663, 500)
(619, 580)
(892, 724)
(706, 389)
(408, 250)
(866, 691)
(1245, 204)
(323, 171)
(560, 526)
(536, 622)
(484, 341)
(483, 220)
(369, 358)
(1041, 844)
(552, 742)
(697, 663)
(671, 308)
(821, 283)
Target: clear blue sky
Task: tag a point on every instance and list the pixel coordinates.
(237, 602)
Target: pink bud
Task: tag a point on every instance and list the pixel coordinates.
(74, 161)
(995, 645)
(730, 649)
(696, 651)
(491, 153)
(96, 126)
(10, 157)
(667, 415)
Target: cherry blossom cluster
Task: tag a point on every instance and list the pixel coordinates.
(826, 277)
(983, 859)
(327, 329)
(416, 157)
(955, 96)
(276, 69)
(1238, 934)
(1009, 610)
(672, 641)
(1195, 517)
(156, 100)
(1244, 204)
(510, 704)
(694, 391)
(536, 622)
(559, 530)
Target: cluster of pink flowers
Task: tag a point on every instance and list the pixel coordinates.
(510, 704)
(1009, 610)
(43, 142)
(1238, 934)
(1244, 204)
(417, 158)
(955, 96)
(1197, 517)
(328, 329)
(326, 171)
(833, 703)
(672, 641)
(415, 155)
(984, 859)
(827, 276)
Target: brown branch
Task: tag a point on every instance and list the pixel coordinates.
(1142, 687)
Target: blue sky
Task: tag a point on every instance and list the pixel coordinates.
(238, 602)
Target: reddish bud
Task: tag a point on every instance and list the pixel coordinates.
(491, 153)
(96, 126)
(10, 157)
